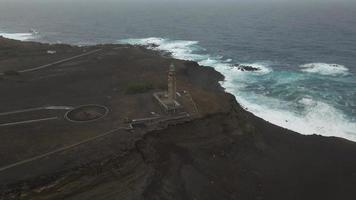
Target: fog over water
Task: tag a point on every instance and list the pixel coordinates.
(305, 50)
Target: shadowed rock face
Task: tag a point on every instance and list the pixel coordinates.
(228, 153)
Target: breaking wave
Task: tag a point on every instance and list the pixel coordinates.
(19, 36)
(325, 69)
(190, 50)
(254, 90)
(317, 117)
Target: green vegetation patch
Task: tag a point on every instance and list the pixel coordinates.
(139, 87)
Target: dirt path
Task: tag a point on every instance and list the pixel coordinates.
(58, 62)
(66, 148)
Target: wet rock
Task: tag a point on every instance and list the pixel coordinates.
(152, 45)
(246, 68)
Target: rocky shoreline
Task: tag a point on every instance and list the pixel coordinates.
(227, 153)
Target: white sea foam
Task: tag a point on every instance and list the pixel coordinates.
(180, 49)
(18, 36)
(317, 118)
(325, 69)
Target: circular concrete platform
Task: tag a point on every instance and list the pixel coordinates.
(86, 113)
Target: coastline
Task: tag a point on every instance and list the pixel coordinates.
(306, 110)
(228, 152)
(255, 85)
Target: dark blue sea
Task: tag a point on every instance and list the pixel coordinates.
(305, 52)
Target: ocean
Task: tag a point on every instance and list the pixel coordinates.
(305, 52)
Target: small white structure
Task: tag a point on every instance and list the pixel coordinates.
(51, 52)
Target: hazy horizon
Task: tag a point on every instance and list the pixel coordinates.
(180, 1)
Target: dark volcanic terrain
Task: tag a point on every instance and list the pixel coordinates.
(224, 152)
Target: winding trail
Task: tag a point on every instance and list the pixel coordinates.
(36, 109)
(4, 168)
(31, 110)
(29, 121)
(58, 62)
(47, 119)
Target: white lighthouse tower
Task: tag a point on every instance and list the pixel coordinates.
(172, 85)
(168, 99)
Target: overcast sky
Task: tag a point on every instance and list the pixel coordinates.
(183, 3)
(202, 1)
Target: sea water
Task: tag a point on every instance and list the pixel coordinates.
(305, 52)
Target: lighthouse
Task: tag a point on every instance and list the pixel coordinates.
(168, 99)
(172, 85)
